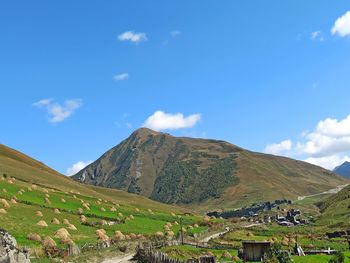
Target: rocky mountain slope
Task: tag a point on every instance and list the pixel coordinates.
(212, 173)
(343, 170)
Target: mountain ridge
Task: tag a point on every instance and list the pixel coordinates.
(343, 169)
(212, 173)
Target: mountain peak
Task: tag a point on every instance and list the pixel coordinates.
(343, 169)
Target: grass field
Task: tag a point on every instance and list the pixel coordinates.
(20, 219)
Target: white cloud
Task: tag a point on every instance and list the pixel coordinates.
(167, 121)
(135, 37)
(328, 145)
(77, 167)
(342, 25)
(281, 148)
(317, 36)
(175, 33)
(59, 112)
(329, 162)
(121, 76)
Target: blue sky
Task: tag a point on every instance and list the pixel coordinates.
(77, 77)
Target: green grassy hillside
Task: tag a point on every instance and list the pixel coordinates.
(31, 192)
(214, 174)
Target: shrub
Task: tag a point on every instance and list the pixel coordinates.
(277, 255)
(337, 258)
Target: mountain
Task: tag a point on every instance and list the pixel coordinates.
(212, 173)
(343, 170)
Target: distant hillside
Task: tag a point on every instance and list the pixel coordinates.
(343, 170)
(16, 164)
(215, 174)
(336, 209)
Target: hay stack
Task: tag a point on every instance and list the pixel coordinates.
(127, 237)
(10, 181)
(131, 217)
(34, 187)
(133, 236)
(86, 206)
(98, 202)
(226, 254)
(39, 213)
(102, 209)
(176, 223)
(56, 211)
(139, 236)
(67, 241)
(160, 234)
(66, 221)
(29, 189)
(19, 192)
(80, 210)
(48, 242)
(4, 203)
(83, 219)
(47, 201)
(137, 210)
(166, 228)
(195, 225)
(119, 236)
(34, 237)
(4, 190)
(150, 211)
(206, 219)
(63, 200)
(170, 234)
(72, 227)
(62, 233)
(173, 214)
(45, 191)
(3, 211)
(13, 201)
(55, 221)
(113, 209)
(236, 259)
(42, 223)
(190, 227)
(74, 196)
(47, 195)
(101, 235)
(120, 214)
(103, 222)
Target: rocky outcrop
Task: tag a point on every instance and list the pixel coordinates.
(9, 253)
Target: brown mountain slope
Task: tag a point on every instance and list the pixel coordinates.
(214, 174)
(16, 164)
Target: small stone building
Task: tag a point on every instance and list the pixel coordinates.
(254, 250)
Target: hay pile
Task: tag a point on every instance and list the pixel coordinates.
(34, 237)
(48, 242)
(131, 217)
(86, 206)
(195, 225)
(83, 219)
(166, 228)
(102, 209)
(39, 213)
(133, 236)
(4, 190)
(13, 201)
(250, 234)
(47, 201)
(74, 196)
(103, 222)
(236, 259)
(160, 234)
(42, 223)
(80, 210)
(45, 191)
(47, 195)
(29, 189)
(137, 210)
(206, 219)
(63, 200)
(98, 202)
(190, 227)
(101, 235)
(3, 211)
(56, 211)
(226, 254)
(150, 211)
(173, 214)
(34, 187)
(4, 203)
(10, 181)
(62, 233)
(72, 227)
(120, 214)
(55, 221)
(176, 223)
(119, 236)
(66, 221)
(127, 237)
(113, 209)
(170, 234)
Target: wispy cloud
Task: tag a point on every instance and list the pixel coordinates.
(121, 76)
(135, 37)
(161, 120)
(58, 112)
(341, 26)
(317, 36)
(77, 167)
(175, 33)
